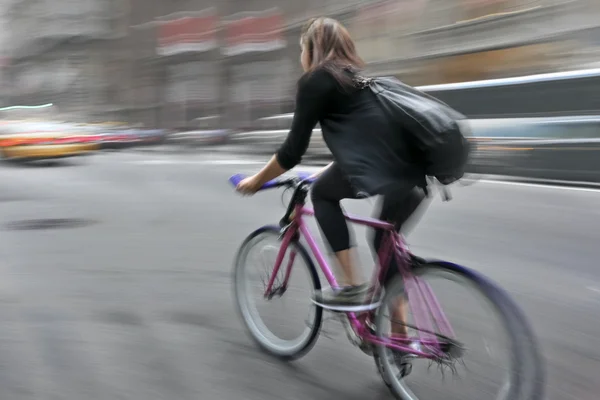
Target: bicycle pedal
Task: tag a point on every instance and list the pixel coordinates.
(405, 369)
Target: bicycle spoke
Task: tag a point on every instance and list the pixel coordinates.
(276, 330)
(472, 368)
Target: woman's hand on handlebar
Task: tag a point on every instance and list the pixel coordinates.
(252, 184)
(249, 186)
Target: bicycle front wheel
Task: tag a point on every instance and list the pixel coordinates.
(294, 332)
(483, 311)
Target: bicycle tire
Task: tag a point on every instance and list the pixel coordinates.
(250, 325)
(528, 373)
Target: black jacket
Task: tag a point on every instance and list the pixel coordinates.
(369, 152)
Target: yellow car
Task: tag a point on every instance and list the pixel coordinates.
(45, 145)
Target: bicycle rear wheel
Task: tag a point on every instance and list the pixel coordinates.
(288, 348)
(524, 375)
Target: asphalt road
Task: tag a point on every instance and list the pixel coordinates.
(134, 301)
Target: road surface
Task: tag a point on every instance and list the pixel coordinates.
(132, 300)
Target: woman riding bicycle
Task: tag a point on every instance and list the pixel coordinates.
(370, 158)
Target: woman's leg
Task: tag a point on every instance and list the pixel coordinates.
(397, 207)
(327, 192)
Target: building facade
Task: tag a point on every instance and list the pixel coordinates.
(200, 64)
(57, 51)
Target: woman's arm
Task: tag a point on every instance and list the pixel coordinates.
(253, 183)
(270, 171)
(311, 101)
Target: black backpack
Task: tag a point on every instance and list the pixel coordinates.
(434, 129)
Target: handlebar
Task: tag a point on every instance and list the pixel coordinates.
(291, 182)
(302, 179)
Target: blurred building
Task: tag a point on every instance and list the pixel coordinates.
(58, 51)
(200, 63)
(450, 41)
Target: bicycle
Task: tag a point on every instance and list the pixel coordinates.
(365, 329)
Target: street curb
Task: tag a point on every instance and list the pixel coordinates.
(324, 159)
(541, 182)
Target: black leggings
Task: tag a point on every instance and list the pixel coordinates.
(331, 187)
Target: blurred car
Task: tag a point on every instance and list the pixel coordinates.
(120, 138)
(147, 137)
(44, 141)
(200, 137)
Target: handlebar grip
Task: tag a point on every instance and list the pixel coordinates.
(236, 179)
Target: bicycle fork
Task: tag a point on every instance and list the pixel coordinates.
(287, 237)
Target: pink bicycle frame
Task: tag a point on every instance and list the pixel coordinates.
(426, 310)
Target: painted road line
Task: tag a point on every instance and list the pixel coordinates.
(195, 162)
(538, 185)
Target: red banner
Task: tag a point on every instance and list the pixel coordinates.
(187, 35)
(254, 32)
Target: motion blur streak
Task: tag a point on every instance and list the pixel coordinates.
(207, 64)
(137, 304)
(115, 267)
